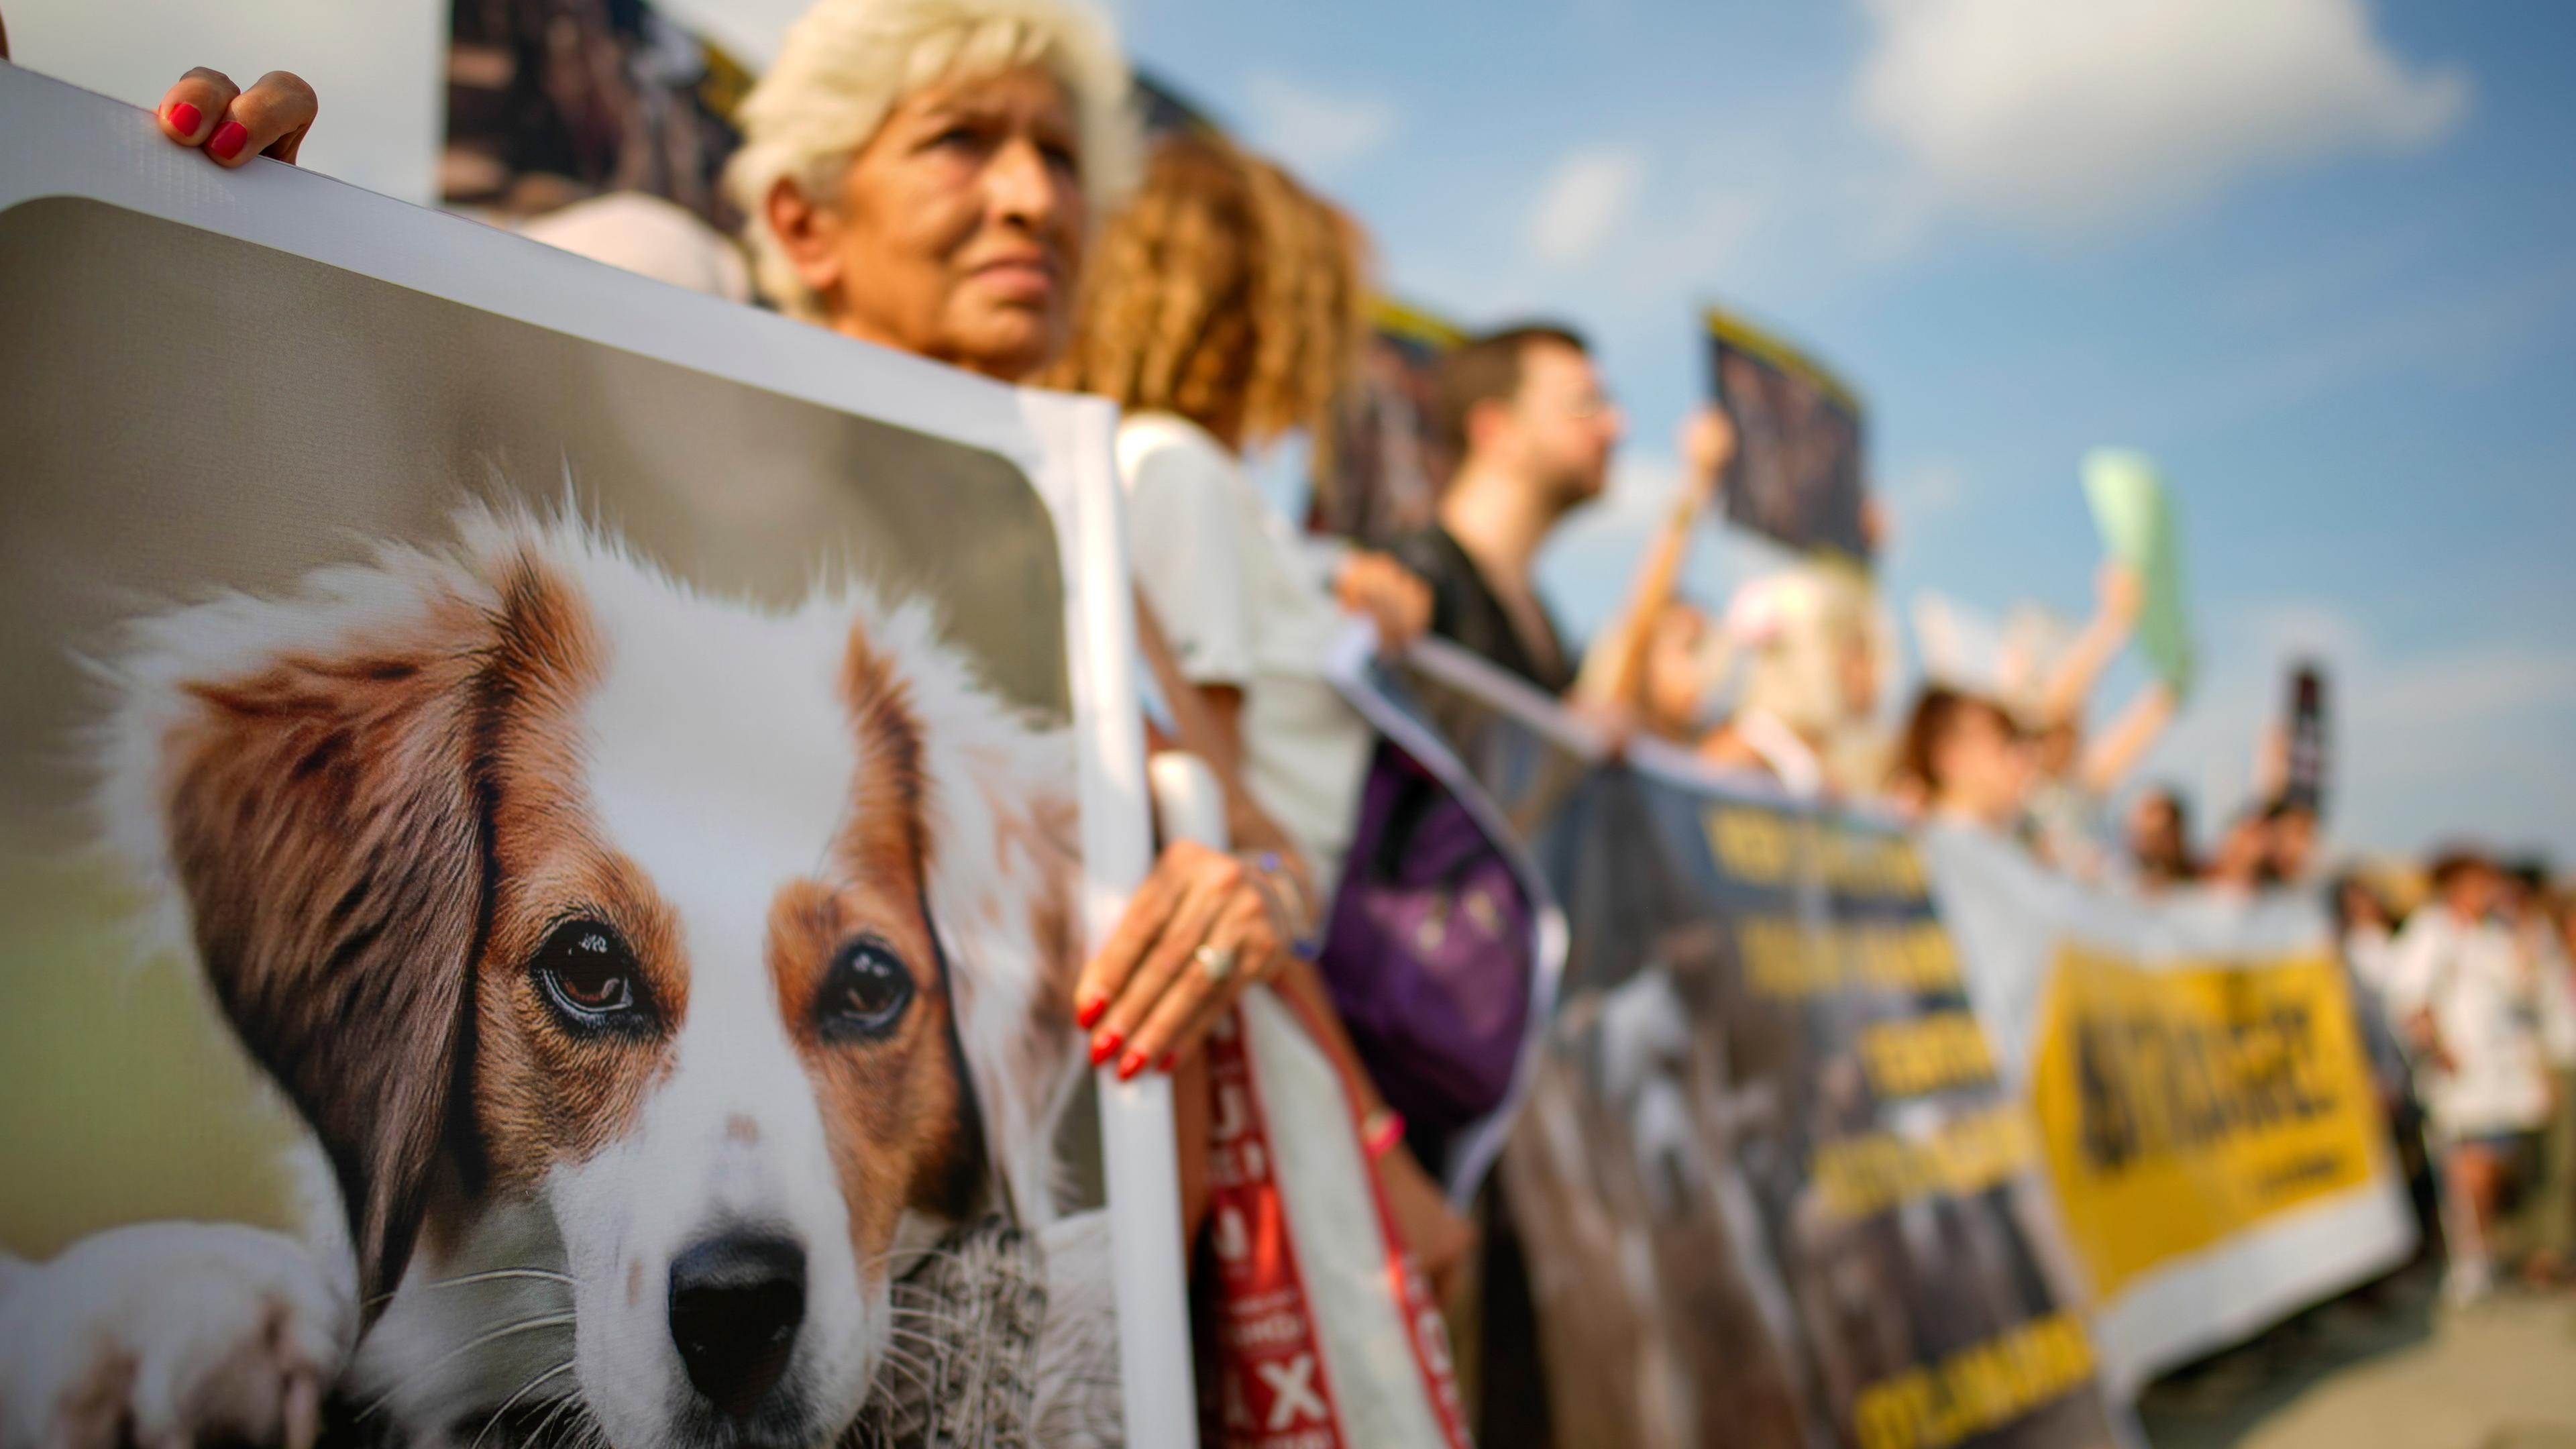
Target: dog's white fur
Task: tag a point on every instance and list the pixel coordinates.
(719, 757)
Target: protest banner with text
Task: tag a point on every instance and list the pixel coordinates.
(1767, 1182)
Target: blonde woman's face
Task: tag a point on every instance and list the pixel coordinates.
(958, 230)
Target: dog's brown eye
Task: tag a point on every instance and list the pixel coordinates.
(590, 977)
(864, 994)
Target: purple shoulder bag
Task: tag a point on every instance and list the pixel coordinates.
(1429, 953)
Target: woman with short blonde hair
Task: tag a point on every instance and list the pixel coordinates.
(927, 174)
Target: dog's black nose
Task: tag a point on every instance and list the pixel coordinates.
(736, 1303)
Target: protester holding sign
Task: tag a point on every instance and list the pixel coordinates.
(1964, 758)
(826, 839)
(927, 176)
(1258, 283)
(205, 110)
(1525, 411)
(1646, 661)
(987, 135)
(2074, 774)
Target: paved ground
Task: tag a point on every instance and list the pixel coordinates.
(2387, 1370)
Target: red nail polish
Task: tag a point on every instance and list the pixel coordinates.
(227, 141)
(185, 119)
(1089, 1012)
(1102, 1049)
(1130, 1064)
(1170, 1061)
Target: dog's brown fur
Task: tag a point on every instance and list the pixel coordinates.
(375, 839)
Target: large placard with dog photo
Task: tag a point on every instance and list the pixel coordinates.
(551, 824)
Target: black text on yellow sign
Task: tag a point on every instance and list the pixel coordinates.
(1773, 848)
(1867, 1174)
(1908, 1056)
(1976, 1390)
(2182, 1106)
(1787, 958)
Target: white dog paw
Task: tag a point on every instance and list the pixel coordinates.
(167, 1335)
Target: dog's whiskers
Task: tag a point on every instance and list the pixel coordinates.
(910, 1368)
(571, 1401)
(924, 1339)
(525, 1325)
(926, 1255)
(521, 1393)
(492, 1275)
(924, 1314)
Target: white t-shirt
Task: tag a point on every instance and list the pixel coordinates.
(2557, 989)
(1241, 603)
(2066, 825)
(2486, 1009)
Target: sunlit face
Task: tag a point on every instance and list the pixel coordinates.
(2294, 844)
(2056, 750)
(2473, 892)
(2155, 831)
(958, 228)
(1983, 766)
(1563, 422)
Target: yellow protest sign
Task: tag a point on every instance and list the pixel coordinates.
(2183, 1105)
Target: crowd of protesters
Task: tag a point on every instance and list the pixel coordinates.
(961, 180)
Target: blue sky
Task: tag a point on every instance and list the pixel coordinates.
(2311, 254)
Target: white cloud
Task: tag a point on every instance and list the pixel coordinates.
(1585, 201)
(1318, 133)
(2075, 115)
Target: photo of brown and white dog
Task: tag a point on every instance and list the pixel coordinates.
(660, 976)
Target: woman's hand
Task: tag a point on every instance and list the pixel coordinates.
(2119, 594)
(207, 112)
(1204, 926)
(1440, 1239)
(1393, 596)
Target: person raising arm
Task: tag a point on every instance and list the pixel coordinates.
(1615, 671)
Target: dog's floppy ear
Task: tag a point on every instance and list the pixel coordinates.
(1004, 888)
(305, 773)
(1031, 1057)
